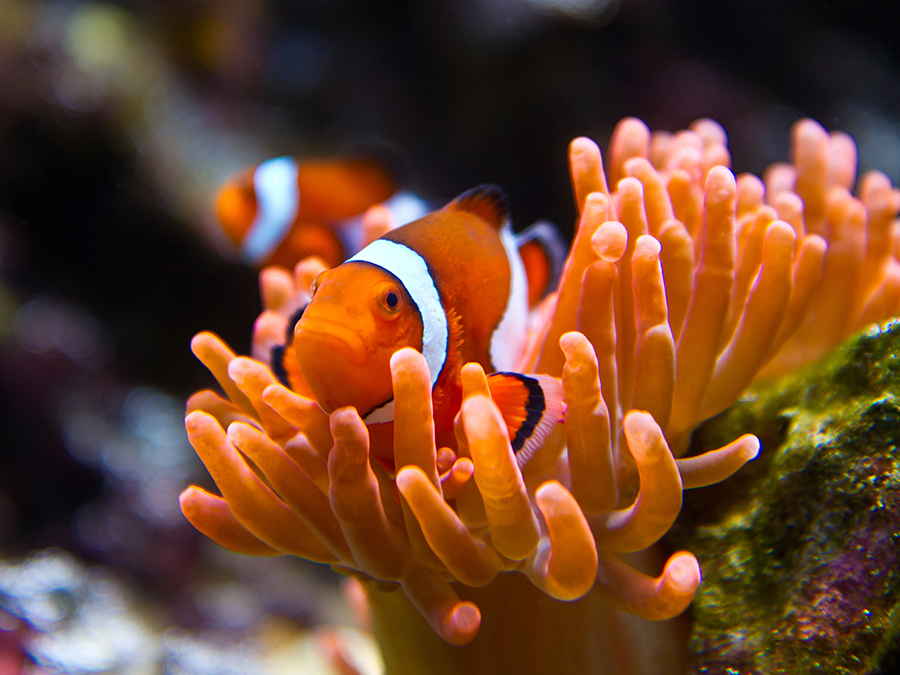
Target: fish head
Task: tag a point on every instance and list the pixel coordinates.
(359, 315)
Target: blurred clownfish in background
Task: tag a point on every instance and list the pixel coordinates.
(287, 209)
(451, 285)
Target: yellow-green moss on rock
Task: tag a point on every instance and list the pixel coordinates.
(800, 550)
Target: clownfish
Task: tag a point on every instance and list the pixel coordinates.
(284, 209)
(453, 286)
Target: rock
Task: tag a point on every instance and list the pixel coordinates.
(800, 551)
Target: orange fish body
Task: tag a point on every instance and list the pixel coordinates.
(450, 284)
(285, 210)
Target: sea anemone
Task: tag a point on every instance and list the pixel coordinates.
(681, 285)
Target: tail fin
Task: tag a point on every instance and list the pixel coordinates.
(531, 406)
(543, 252)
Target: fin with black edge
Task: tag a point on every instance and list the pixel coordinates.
(531, 406)
(543, 252)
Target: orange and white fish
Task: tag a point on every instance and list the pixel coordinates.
(453, 286)
(286, 209)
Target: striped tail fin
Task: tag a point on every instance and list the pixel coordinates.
(531, 406)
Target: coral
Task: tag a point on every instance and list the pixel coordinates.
(681, 285)
(804, 556)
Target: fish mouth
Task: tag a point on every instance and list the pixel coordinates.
(330, 332)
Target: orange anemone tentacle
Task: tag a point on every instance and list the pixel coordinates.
(591, 461)
(717, 465)
(216, 356)
(659, 497)
(454, 620)
(251, 501)
(210, 514)
(292, 484)
(655, 599)
(468, 560)
(378, 547)
(566, 566)
(513, 527)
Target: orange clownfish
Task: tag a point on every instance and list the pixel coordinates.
(285, 210)
(453, 286)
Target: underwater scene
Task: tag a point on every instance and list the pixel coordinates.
(453, 337)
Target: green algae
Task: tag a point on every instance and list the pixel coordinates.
(800, 550)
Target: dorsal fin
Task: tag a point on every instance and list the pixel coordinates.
(488, 202)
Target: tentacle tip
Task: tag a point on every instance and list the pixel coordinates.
(237, 432)
(647, 247)
(638, 420)
(239, 365)
(471, 369)
(196, 419)
(408, 360)
(546, 490)
(596, 199)
(567, 341)
(636, 165)
(343, 420)
(404, 354)
(270, 392)
(463, 469)
(405, 478)
(197, 341)
(582, 145)
(721, 176)
(462, 624)
(185, 496)
(683, 573)
(751, 447)
(809, 128)
(571, 343)
(817, 242)
(633, 123)
(779, 229)
(203, 342)
(610, 241)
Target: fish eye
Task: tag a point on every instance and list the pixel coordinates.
(315, 284)
(389, 298)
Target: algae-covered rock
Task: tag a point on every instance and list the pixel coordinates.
(800, 550)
